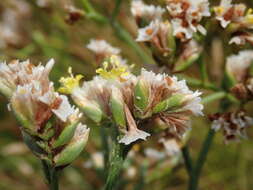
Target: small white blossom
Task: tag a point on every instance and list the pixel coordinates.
(232, 124)
(101, 47)
(141, 10)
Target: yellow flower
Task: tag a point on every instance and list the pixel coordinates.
(116, 70)
(69, 83)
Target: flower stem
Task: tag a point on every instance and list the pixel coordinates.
(187, 159)
(194, 177)
(51, 175)
(115, 165)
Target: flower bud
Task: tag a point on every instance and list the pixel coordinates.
(117, 107)
(74, 148)
(172, 102)
(141, 95)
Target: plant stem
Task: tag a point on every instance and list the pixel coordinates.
(51, 175)
(194, 178)
(115, 165)
(212, 97)
(187, 159)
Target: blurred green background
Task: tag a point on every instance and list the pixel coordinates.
(38, 30)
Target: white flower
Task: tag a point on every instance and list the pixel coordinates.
(237, 65)
(186, 16)
(227, 12)
(147, 33)
(151, 12)
(232, 124)
(101, 47)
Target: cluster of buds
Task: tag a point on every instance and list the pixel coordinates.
(239, 72)
(49, 124)
(232, 124)
(132, 102)
(237, 19)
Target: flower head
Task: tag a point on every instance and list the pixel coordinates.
(186, 16)
(141, 10)
(47, 119)
(232, 124)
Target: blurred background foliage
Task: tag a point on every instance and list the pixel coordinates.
(39, 30)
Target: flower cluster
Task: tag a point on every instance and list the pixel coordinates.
(186, 16)
(128, 101)
(239, 70)
(49, 124)
(235, 16)
(232, 124)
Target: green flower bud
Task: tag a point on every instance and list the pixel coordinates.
(141, 95)
(74, 148)
(66, 135)
(117, 107)
(92, 110)
(172, 102)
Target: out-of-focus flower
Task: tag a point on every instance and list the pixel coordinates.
(48, 121)
(191, 52)
(127, 101)
(237, 65)
(73, 14)
(159, 34)
(103, 50)
(239, 71)
(141, 10)
(12, 32)
(232, 124)
(227, 12)
(240, 38)
(186, 17)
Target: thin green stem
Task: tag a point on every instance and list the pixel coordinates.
(193, 185)
(187, 160)
(51, 175)
(213, 97)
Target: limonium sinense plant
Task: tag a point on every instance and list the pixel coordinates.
(125, 102)
(50, 126)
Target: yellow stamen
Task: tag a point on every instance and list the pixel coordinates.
(219, 10)
(115, 72)
(69, 83)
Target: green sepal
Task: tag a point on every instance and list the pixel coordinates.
(66, 135)
(48, 131)
(32, 144)
(117, 109)
(71, 151)
(141, 95)
(93, 112)
(172, 102)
